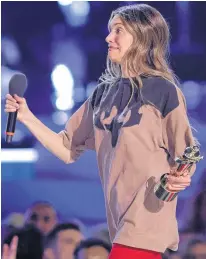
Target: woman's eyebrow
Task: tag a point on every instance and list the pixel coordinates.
(113, 25)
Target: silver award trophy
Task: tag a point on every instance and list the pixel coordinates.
(185, 162)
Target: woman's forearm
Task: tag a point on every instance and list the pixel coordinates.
(48, 138)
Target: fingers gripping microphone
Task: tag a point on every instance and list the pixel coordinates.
(17, 85)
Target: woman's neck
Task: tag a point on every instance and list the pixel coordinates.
(126, 73)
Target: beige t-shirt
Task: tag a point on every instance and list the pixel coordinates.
(134, 146)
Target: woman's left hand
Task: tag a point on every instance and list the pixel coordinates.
(178, 183)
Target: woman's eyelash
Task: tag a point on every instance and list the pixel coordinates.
(118, 29)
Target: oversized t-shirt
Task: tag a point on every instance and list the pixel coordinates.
(135, 144)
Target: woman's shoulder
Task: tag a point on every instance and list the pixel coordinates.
(98, 93)
(163, 93)
(161, 84)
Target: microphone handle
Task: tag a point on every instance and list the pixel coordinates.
(11, 124)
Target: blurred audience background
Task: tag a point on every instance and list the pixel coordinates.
(57, 210)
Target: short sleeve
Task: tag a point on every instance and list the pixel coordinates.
(78, 134)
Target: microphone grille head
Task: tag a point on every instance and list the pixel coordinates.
(18, 84)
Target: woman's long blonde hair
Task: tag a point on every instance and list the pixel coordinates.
(148, 55)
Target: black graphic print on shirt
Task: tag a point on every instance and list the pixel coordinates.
(111, 112)
(110, 103)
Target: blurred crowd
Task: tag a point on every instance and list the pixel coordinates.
(41, 235)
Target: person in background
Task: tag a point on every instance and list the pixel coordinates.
(100, 232)
(62, 241)
(196, 249)
(42, 215)
(171, 255)
(30, 243)
(92, 248)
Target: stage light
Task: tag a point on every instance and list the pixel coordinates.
(19, 155)
(76, 14)
(64, 2)
(64, 103)
(72, 55)
(80, 8)
(60, 117)
(63, 83)
(10, 51)
(62, 78)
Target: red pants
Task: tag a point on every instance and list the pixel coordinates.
(126, 252)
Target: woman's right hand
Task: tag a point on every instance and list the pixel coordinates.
(17, 103)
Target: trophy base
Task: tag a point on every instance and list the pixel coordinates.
(161, 191)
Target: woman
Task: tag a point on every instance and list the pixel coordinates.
(136, 122)
(25, 243)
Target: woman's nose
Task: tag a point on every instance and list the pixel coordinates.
(109, 38)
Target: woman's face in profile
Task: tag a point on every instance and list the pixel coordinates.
(119, 40)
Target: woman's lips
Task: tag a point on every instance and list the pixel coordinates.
(112, 48)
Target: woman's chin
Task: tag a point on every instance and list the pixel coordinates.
(114, 59)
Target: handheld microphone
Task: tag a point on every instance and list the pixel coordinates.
(17, 85)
